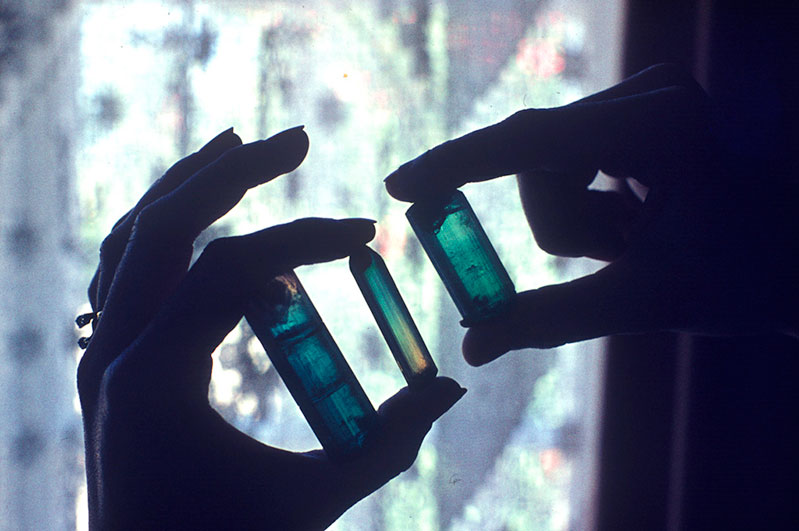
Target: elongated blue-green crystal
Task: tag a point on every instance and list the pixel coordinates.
(392, 316)
(313, 368)
(464, 258)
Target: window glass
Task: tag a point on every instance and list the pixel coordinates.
(375, 83)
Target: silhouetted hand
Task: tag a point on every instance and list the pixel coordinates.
(708, 251)
(157, 454)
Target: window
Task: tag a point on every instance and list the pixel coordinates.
(375, 83)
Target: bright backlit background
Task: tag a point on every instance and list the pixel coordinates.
(375, 83)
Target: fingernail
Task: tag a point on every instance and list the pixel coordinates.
(399, 174)
(289, 147)
(289, 136)
(412, 166)
(395, 186)
(391, 176)
(407, 182)
(290, 130)
(220, 139)
(391, 182)
(362, 229)
(224, 133)
(455, 397)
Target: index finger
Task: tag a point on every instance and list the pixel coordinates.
(209, 194)
(624, 135)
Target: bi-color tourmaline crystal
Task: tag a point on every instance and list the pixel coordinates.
(392, 316)
(313, 368)
(461, 253)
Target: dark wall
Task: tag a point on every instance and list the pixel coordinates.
(742, 437)
(701, 433)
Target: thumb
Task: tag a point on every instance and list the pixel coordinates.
(406, 418)
(614, 300)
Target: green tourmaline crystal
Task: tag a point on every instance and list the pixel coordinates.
(461, 253)
(392, 316)
(312, 367)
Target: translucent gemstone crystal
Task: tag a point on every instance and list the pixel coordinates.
(313, 368)
(392, 316)
(461, 253)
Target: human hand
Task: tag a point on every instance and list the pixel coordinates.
(708, 250)
(157, 454)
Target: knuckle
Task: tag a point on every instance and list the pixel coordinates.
(114, 387)
(521, 123)
(225, 257)
(156, 225)
(522, 115)
(94, 374)
(227, 266)
(87, 377)
(124, 219)
(112, 246)
(521, 118)
(222, 249)
(671, 74)
(147, 220)
(93, 290)
(125, 385)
